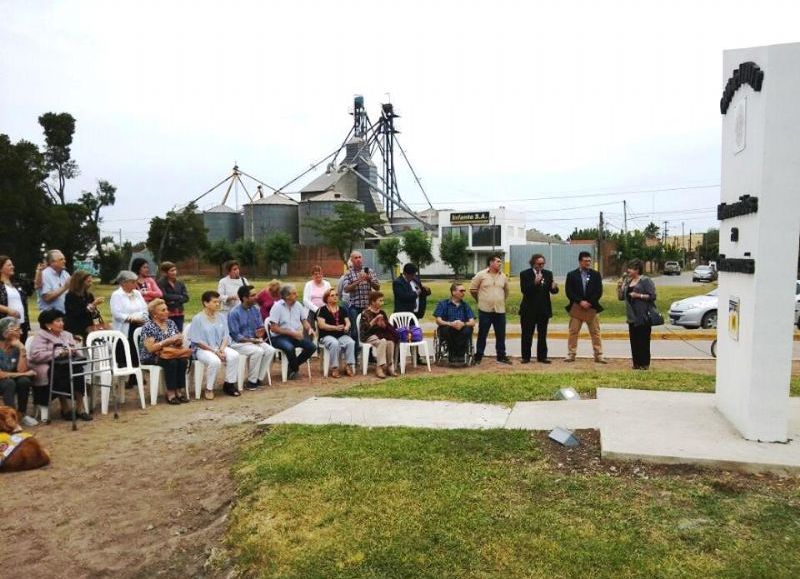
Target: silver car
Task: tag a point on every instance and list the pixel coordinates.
(695, 312)
(704, 273)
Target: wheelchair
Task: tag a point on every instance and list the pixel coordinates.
(441, 355)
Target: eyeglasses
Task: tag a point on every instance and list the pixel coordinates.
(462, 290)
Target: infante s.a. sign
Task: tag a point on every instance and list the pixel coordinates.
(475, 217)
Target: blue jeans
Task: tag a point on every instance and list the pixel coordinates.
(485, 321)
(287, 345)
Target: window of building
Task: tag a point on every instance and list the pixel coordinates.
(486, 236)
(462, 230)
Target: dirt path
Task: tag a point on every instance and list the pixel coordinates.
(148, 495)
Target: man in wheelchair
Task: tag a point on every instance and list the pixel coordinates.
(455, 321)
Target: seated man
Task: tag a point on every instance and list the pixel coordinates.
(247, 336)
(455, 322)
(286, 322)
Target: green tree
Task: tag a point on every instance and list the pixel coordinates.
(178, 235)
(589, 233)
(417, 246)
(104, 196)
(651, 231)
(219, 252)
(246, 251)
(709, 249)
(388, 251)
(58, 131)
(110, 264)
(278, 250)
(344, 232)
(453, 251)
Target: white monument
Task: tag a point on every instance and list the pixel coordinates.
(759, 229)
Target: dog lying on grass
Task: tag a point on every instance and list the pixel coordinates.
(18, 450)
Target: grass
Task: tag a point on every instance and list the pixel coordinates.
(346, 502)
(614, 309)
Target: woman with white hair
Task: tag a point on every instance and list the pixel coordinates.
(15, 376)
(128, 312)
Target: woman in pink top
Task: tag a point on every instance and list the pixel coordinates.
(268, 296)
(146, 285)
(313, 292)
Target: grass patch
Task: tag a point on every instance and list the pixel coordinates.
(513, 387)
(346, 502)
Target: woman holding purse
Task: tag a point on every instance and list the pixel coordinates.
(83, 309)
(638, 292)
(162, 344)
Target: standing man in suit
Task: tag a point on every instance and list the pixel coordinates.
(409, 293)
(536, 310)
(584, 288)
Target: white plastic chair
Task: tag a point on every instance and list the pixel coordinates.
(108, 373)
(406, 320)
(285, 361)
(200, 369)
(365, 348)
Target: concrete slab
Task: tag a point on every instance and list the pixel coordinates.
(686, 428)
(569, 414)
(390, 412)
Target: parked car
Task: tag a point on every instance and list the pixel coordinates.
(672, 268)
(695, 312)
(704, 273)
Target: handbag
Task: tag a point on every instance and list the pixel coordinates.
(97, 324)
(652, 316)
(411, 334)
(174, 352)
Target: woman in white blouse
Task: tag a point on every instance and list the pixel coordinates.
(128, 312)
(313, 293)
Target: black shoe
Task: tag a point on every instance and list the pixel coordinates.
(477, 360)
(230, 389)
(293, 374)
(252, 386)
(545, 361)
(175, 401)
(504, 360)
(525, 361)
(183, 399)
(85, 416)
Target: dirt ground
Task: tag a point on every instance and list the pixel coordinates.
(148, 494)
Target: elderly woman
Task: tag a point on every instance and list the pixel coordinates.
(175, 294)
(334, 330)
(83, 309)
(145, 283)
(13, 297)
(15, 376)
(128, 312)
(209, 338)
(159, 333)
(53, 341)
(268, 296)
(313, 293)
(376, 330)
(637, 291)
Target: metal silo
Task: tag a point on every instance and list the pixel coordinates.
(223, 222)
(322, 206)
(277, 212)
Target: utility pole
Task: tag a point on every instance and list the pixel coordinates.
(120, 238)
(683, 242)
(625, 217)
(665, 233)
(600, 246)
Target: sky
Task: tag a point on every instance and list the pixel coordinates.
(559, 110)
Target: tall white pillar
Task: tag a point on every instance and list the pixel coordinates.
(758, 237)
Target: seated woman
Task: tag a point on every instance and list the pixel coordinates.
(376, 330)
(334, 333)
(145, 283)
(15, 376)
(209, 338)
(159, 333)
(49, 342)
(82, 307)
(128, 312)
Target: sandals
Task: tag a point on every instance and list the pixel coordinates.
(174, 401)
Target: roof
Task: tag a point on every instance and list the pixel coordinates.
(331, 196)
(326, 181)
(536, 236)
(221, 209)
(274, 199)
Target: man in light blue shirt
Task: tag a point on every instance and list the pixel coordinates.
(287, 320)
(247, 337)
(55, 283)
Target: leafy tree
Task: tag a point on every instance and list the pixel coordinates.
(278, 250)
(104, 196)
(58, 131)
(417, 246)
(246, 251)
(178, 235)
(589, 233)
(219, 252)
(652, 231)
(110, 264)
(388, 251)
(344, 232)
(453, 251)
(709, 249)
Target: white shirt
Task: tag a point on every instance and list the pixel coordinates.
(15, 302)
(124, 306)
(228, 288)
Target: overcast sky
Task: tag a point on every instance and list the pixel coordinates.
(502, 103)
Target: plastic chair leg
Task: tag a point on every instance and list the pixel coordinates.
(199, 370)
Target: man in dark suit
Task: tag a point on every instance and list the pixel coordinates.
(536, 310)
(409, 293)
(584, 288)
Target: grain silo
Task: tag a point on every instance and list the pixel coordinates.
(223, 222)
(322, 206)
(264, 216)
